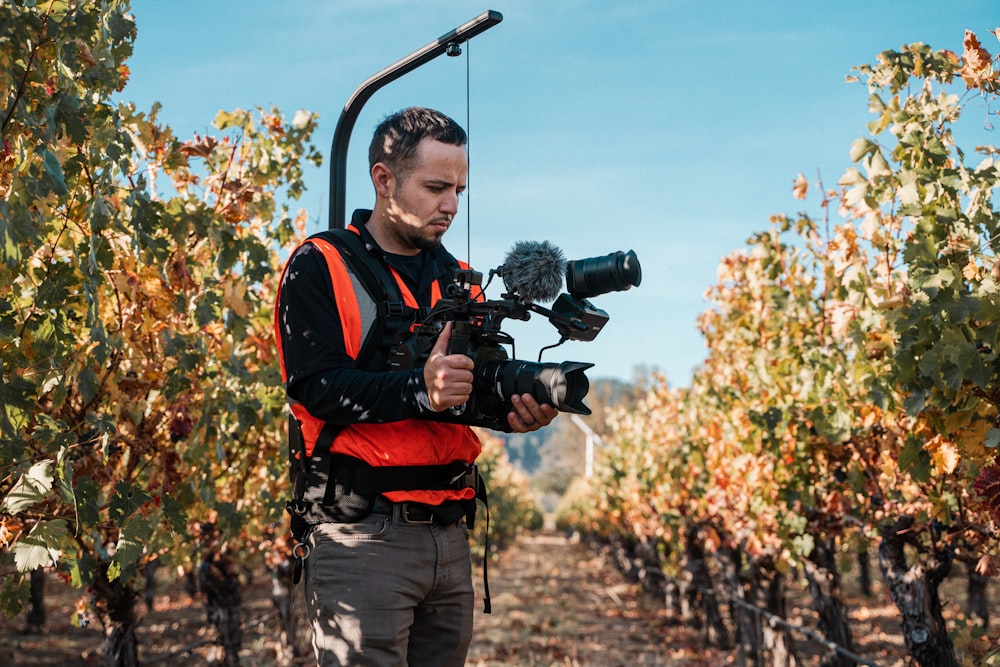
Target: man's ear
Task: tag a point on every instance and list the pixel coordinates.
(383, 179)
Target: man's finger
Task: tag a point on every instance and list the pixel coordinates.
(441, 344)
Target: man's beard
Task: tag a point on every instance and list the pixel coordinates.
(426, 243)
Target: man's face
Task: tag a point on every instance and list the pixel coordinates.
(424, 200)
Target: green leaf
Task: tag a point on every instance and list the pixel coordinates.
(803, 545)
(86, 501)
(129, 548)
(54, 169)
(89, 384)
(992, 438)
(861, 147)
(915, 402)
(81, 570)
(40, 547)
(915, 460)
(14, 593)
(65, 484)
(125, 502)
(973, 367)
(31, 488)
(173, 509)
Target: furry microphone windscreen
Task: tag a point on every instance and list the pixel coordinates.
(534, 270)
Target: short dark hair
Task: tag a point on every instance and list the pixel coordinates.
(396, 138)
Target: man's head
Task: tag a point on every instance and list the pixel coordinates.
(397, 137)
(419, 167)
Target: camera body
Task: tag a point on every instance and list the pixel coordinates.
(476, 333)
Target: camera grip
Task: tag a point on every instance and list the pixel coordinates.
(460, 341)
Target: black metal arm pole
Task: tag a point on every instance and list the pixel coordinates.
(345, 125)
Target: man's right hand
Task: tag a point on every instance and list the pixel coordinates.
(448, 377)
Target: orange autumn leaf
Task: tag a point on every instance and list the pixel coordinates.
(977, 63)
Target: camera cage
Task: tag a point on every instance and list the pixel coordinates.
(476, 332)
(573, 317)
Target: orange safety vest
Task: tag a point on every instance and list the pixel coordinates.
(411, 442)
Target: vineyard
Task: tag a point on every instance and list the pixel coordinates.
(845, 422)
(845, 417)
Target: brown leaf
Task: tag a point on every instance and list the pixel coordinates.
(198, 146)
(977, 63)
(234, 297)
(7, 162)
(234, 212)
(85, 54)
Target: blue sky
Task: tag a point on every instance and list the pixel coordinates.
(671, 127)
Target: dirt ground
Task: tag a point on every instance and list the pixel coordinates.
(555, 602)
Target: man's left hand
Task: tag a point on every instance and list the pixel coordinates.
(528, 415)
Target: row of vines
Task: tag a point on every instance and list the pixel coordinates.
(142, 415)
(849, 403)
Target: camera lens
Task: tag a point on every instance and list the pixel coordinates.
(598, 275)
(563, 386)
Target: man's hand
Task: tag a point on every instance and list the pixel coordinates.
(528, 415)
(448, 377)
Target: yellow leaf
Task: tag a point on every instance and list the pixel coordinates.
(944, 455)
(973, 438)
(234, 297)
(158, 299)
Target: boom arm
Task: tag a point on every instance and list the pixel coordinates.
(446, 43)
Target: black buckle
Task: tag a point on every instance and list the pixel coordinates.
(394, 309)
(468, 478)
(404, 514)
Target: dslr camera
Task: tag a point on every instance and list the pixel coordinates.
(532, 272)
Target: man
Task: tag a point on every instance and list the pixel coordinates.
(388, 576)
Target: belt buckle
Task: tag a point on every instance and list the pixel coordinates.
(405, 514)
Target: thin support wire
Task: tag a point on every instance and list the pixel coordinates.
(774, 620)
(468, 130)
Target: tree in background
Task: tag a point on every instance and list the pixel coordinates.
(137, 273)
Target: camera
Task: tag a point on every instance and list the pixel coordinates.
(532, 272)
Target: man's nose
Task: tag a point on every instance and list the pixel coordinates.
(449, 203)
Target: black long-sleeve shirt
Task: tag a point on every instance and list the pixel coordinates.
(321, 375)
